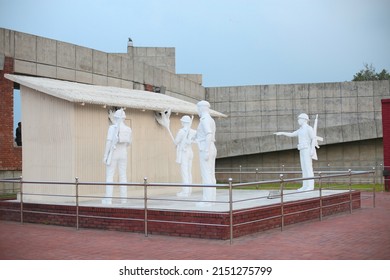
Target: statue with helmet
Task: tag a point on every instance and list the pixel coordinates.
(184, 154)
(119, 137)
(307, 144)
(205, 137)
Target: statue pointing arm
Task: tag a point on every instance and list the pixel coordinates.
(288, 134)
(306, 141)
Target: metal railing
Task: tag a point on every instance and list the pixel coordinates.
(250, 174)
(280, 191)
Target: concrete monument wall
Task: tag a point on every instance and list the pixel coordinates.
(38, 56)
(349, 116)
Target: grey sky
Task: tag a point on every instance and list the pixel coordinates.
(230, 42)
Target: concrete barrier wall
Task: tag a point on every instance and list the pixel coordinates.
(38, 56)
(348, 111)
(350, 120)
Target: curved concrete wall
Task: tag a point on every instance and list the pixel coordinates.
(348, 111)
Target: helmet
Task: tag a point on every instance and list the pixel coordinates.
(186, 119)
(303, 116)
(120, 114)
(203, 103)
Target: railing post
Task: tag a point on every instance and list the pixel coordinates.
(257, 177)
(77, 202)
(350, 190)
(231, 209)
(373, 188)
(320, 187)
(281, 202)
(382, 177)
(240, 174)
(146, 205)
(21, 199)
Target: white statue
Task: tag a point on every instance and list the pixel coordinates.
(307, 144)
(205, 136)
(118, 139)
(184, 154)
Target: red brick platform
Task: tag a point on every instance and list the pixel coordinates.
(198, 224)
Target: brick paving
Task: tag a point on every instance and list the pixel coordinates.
(362, 235)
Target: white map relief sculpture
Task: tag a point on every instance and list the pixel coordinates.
(163, 118)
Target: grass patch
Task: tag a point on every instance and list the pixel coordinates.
(6, 196)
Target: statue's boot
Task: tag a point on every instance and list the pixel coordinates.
(123, 193)
(108, 197)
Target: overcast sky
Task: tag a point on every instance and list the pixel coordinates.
(230, 42)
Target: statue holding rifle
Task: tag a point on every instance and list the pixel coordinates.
(184, 154)
(183, 142)
(119, 137)
(307, 144)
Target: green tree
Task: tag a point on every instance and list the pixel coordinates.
(369, 74)
(384, 75)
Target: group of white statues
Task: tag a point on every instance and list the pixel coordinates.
(119, 137)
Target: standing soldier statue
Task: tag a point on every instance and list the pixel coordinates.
(307, 144)
(184, 154)
(205, 136)
(118, 139)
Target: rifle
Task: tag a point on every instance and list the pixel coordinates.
(315, 140)
(114, 141)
